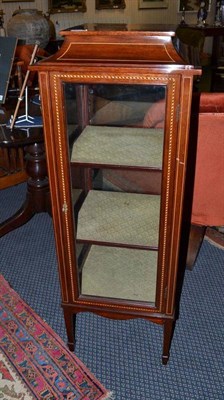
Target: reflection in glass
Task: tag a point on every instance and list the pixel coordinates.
(115, 135)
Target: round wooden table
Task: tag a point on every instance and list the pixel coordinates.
(38, 193)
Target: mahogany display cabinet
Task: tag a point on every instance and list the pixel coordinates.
(116, 104)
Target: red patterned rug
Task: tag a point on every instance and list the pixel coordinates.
(34, 361)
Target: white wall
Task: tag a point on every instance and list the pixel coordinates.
(131, 14)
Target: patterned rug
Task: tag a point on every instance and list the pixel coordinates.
(34, 362)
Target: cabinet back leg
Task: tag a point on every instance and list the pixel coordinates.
(169, 325)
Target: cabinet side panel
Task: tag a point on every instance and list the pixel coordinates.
(57, 179)
(181, 161)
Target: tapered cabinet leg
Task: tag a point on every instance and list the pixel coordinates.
(70, 319)
(167, 337)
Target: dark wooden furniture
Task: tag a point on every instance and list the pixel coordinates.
(216, 32)
(217, 56)
(118, 252)
(12, 163)
(30, 142)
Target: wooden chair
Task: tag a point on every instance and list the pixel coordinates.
(16, 78)
(12, 166)
(12, 160)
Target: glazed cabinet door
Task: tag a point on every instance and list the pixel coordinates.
(118, 141)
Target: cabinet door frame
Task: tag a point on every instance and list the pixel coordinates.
(176, 130)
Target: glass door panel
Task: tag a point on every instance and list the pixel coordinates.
(116, 135)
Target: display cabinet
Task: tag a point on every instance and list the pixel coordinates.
(116, 104)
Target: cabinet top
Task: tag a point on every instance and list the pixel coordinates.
(117, 44)
(166, 29)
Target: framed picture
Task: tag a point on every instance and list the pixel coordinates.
(57, 6)
(192, 5)
(152, 4)
(110, 4)
(15, 1)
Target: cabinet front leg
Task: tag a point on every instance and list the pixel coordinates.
(70, 318)
(167, 337)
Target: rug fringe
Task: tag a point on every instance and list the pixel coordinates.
(109, 396)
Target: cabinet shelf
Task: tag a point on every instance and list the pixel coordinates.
(118, 146)
(116, 217)
(119, 273)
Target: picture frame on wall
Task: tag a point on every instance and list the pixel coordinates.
(192, 5)
(144, 4)
(16, 1)
(110, 4)
(57, 6)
